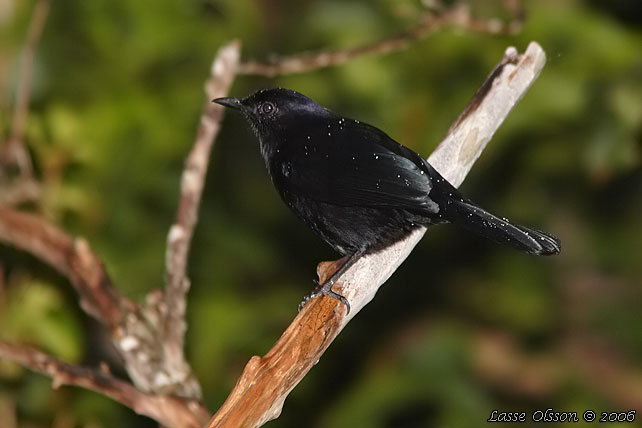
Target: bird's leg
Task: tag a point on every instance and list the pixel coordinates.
(325, 289)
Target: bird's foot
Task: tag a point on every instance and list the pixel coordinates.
(324, 289)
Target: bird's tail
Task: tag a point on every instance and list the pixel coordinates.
(477, 220)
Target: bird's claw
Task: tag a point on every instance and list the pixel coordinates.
(324, 289)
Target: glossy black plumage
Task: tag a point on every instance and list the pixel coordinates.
(355, 186)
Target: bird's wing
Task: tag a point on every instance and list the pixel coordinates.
(359, 165)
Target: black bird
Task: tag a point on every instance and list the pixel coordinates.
(356, 187)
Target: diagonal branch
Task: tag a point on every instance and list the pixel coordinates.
(223, 72)
(458, 15)
(168, 411)
(73, 258)
(266, 381)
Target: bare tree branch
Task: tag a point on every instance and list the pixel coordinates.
(266, 381)
(72, 258)
(133, 328)
(223, 72)
(168, 411)
(148, 337)
(458, 15)
(15, 149)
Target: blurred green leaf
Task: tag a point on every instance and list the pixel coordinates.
(35, 313)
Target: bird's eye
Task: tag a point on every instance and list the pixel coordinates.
(266, 108)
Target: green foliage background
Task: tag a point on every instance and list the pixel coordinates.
(462, 328)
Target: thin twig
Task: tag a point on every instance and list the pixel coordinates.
(457, 15)
(223, 72)
(166, 410)
(266, 381)
(15, 149)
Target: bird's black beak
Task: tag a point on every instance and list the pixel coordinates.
(231, 102)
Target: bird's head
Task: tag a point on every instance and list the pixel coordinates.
(273, 110)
